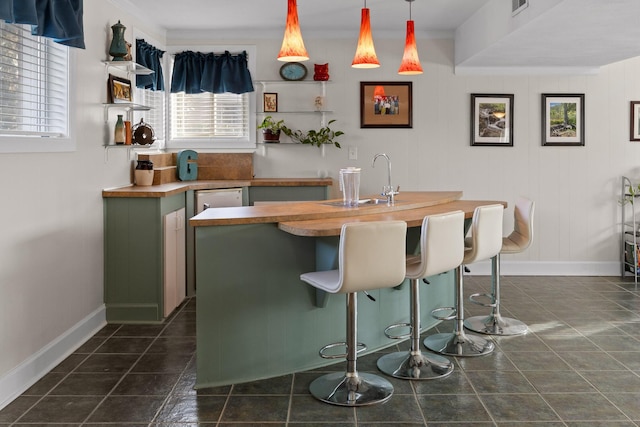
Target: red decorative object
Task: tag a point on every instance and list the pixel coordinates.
(292, 49)
(365, 56)
(321, 72)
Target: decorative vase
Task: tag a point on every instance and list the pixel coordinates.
(127, 132)
(119, 132)
(118, 48)
(321, 72)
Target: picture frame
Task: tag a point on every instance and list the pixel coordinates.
(563, 119)
(634, 121)
(492, 120)
(270, 102)
(119, 90)
(386, 105)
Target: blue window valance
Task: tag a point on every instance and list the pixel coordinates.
(60, 20)
(196, 72)
(150, 57)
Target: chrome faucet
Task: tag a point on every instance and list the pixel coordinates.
(387, 190)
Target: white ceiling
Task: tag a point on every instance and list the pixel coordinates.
(329, 18)
(556, 34)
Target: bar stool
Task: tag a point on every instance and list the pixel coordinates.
(486, 242)
(441, 250)
(516, 242)
(371, 255)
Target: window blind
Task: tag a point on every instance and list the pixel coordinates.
(210, 116)
(155, 117)
(33, 84)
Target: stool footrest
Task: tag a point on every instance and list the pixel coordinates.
(435, 311)
(361, 347)
(473, 299)
(395, 326)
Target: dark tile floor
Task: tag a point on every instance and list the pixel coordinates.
(578, 366)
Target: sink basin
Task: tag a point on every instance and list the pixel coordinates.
(363, 202)
(372, 201)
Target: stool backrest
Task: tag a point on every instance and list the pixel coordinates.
(372, 255)
(486, 233)
(441, 245)
(522, 234)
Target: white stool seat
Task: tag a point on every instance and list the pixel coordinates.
(441, 250)
(519, 240)
(485, 243)
(371, 256)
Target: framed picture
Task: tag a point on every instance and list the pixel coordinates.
(492, 120)
(386, 105)
(562, 119)
(270, 102)
(634, 121)
(119, 90)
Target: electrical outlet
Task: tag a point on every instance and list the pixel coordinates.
(353, 152)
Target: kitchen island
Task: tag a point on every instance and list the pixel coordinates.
(256, 319)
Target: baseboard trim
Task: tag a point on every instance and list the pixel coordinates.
(23, 376)
(548, 268)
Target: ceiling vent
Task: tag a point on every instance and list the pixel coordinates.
(518, 6)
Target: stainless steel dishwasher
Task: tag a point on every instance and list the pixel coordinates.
(219, 198)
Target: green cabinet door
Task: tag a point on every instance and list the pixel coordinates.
(134, 260)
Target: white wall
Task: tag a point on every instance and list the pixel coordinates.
(51, 251)
(575, 188)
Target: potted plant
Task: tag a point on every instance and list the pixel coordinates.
(271, 129)
(324, 135)
(631, 194)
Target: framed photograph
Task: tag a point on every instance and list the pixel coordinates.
(634, 121)
(492, 120)
(562, 119)
(270, 102)
(386, 105)
(119, 90)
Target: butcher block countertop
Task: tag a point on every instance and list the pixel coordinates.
(321, 211)
(169, 189)
(413, 218)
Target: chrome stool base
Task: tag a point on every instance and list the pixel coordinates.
(459, 344)
(495, 325)
(415, 365)
(359, 389)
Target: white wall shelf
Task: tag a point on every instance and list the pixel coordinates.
(295, 112)
(131, 69)
(128, 67)
(128, 107)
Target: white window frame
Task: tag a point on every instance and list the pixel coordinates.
(48, 144)
(159, 143)
(219, 143)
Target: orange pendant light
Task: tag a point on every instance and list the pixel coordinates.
(292, 49)
(365, 56)
(410, 64)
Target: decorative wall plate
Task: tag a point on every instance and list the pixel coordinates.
(293, 71)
